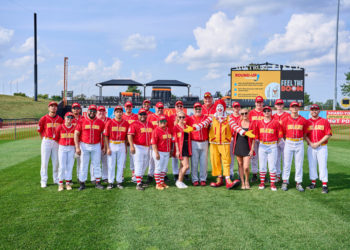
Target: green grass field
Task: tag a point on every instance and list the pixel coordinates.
(196, 218)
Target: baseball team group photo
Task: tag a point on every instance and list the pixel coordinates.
(220, 124)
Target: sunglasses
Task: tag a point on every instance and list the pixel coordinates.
(76, 108)
(163, 121)
(267, 111)
(160, 108)
(142, 114)
(198, 108)
(70, 117)
(92, 110)
(182, 117)
(245, 113)
(179, 106)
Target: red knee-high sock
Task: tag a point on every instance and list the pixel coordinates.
(324, 183)
(262, 177)
(157, 177)
(273, 177)
(162, 175)
(138, 179)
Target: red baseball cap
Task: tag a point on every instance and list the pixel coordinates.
(146, 101)
(236, 104)
(74, 105)
(294, 104)
(197, 105)
(68, 114)
(142, 111)
(160, 105)
(118, 107)
(315, 106)
(279, 101)
(92, 106)
(52, 103)
(162, 117)
(179, 103)
(101, 108)
(207, 94)
(127, 104)
(259, 99)
(267, 107)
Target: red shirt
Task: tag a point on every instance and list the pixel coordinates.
(90, 130)
(162, 138)
(105, 122)
(130, 118)
(47, 125)
(77, 120)
(281, 117)
(200, 135)
(142, 133)
(255, 115)
(64, 135)
(178, 134)
(294, 128)
(268, 131)
(116, 130)
(153, 119)
(208, 111)
(318, 128)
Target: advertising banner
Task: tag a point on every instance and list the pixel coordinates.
(292, 85)
(338, 117)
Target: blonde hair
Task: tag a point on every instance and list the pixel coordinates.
(177, 116)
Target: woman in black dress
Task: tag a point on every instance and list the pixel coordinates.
(244, 149)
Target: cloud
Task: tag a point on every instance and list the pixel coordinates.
(142, 77)
(26, 46)
(22, 62)
(212, 74)
(5, 35)
(222, 40)
(139, 42)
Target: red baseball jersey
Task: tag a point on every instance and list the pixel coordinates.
(65, 135)
(90, 130)
(268, 131)
(47, 126)
(255, 115)
(149, 112)
(77, 120)
(162, 138)
(208, 111)
(105, 120)
(201, 135)
(280, 117)
(142, 133)
(294, 128)
(116, 130)
(130, 118)
(318, 128)
(153, 119)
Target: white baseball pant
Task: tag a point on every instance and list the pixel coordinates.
(199, 155)
(118, 156)
(78, 166)
(267, 156)
(280, 149)
(88, 151)
(141, 159)
(49, 148)
(295, 148)
(161, 164)
(232, 165)
(151, 164)
(104, 168)
(66, 162)
(318, 155)
(131, 160)
(255, 158)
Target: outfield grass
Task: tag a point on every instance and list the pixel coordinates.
(196, 218)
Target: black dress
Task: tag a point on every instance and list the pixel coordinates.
(185, 146)
(242, 145)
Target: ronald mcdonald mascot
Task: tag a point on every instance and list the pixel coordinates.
(220, 134)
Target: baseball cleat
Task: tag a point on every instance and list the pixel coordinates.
(254, 178)
(273, 187)
(203, 183)
(196, 183)
(120, 186)
(82, 186)
(43, 185)
(110, 186)
(68, 187)
(300, 188)
(284, 187)
(311, 186)
(99, 186)
(261, 186)
(325, 190)
(60, 187)
(145, 185)
(159, 187)
(140, 187)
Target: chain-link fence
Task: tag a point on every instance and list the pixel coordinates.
(15, 129)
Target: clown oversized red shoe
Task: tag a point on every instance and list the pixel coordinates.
(219, 182)
(230, 184)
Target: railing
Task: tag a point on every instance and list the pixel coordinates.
(15, 129)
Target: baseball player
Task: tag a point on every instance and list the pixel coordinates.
(161, 143)
(279, 116)
(101, 114)
(294, 130)
(208, 108)
(146, 105)
(115, 136)
(199, 140)
(66, 150)
(317, 138)
(268, 132)
(254, 116)
(139, 137)
(49, 147)
(130, 118)
(87, 139)
(76, 110)
(235, 116)
(179, 107)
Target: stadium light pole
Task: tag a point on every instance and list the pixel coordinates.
(336, 60)
(35, 62)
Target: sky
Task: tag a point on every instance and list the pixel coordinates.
(193, 41)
